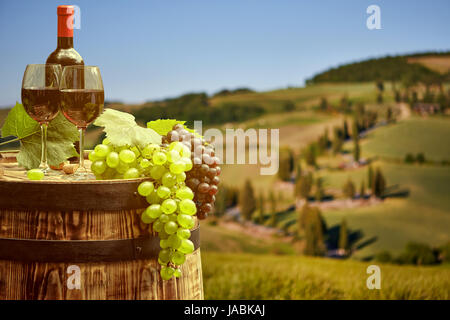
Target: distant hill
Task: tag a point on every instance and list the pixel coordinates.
(425, 67)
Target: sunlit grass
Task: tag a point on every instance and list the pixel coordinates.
(430, 136)
(246, 276)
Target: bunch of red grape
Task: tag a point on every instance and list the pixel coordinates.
(203, 179)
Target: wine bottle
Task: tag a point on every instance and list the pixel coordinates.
(65, 54)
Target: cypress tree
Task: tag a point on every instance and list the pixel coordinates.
(349, 189)
(280, 197)
(302, 216)
(273, 219)
(258, 215)
(370, 177)
(362, 190)
(345, 129)
(380, 98)
(343, 235)
(298, 172)
(337, 140)
(273, 209)
(286, 164)
(319, 190)
(380, 85)
(273, 202)
(303, 186)
(220, 204)
(311, 240)
(310, 155)
(355, 135)
(323, 104)
(356, 150)
(247, 201)
(314, 231)
(326, 138)
(379, 184)
(389, 114)
(355, 129)
(345, 104)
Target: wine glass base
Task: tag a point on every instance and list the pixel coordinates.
(82, 175)
(50, 173)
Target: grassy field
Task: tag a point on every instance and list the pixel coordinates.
(423, 213)
(296, 130)
(238, 266)
(430, 136)
(306, 97)
(440, 64)
(250, 276)
(220, 239)
(423, 216)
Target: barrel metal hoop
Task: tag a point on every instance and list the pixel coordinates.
(79, 251)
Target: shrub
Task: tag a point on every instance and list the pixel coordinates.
(286, 164)
(444, 253)
(310, 155)
(319, 190)
(409, 158)
(418, 254)
(383, 256)
(349, 189)
(420, 158)
(380, 98)
(303, 186)
(288, 106)
(247, 201)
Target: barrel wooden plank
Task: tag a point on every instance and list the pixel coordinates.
(128, 279)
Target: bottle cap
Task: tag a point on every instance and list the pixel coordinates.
(65, 21)
(65, 10)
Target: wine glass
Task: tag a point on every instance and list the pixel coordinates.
(82, 99)
(40, 98)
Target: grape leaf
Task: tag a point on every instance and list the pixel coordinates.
(112, 117)
(122, 129)
(163, 126)
(61, 135)
(19, 124)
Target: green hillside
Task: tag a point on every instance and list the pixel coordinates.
(416, 135)
(420, 212)
(241, 266)
(393, 68)
(247, 276)
(421, 216)
(303, 98)
(220, 239)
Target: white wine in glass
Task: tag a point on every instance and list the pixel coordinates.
(82, 101)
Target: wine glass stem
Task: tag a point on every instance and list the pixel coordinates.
(81, 130)
(44, 165)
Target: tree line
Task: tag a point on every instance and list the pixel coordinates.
(195, 106)
(390, 68)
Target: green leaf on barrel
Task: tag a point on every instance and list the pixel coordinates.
(61, 135)
(122, 129)
(164, 126)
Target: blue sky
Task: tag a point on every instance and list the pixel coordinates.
(155, 49)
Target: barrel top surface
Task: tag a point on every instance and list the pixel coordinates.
(63, 194)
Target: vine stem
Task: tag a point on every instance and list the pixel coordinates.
(9, 141)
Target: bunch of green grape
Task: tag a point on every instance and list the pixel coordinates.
(171, 207)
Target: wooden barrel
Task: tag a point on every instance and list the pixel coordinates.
(83, 240)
